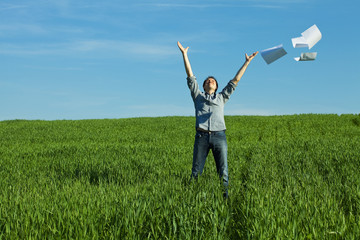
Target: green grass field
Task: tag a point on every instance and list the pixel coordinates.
(291, 177)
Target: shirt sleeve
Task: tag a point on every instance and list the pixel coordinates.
(193, 86)
(228, 90)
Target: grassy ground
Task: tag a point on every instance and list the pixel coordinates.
(291, 177)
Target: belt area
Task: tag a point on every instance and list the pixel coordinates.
(206, 131)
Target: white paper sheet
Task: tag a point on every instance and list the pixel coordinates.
(272, 54)
(306, 56)
(308, 39)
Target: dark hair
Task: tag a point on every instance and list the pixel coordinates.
(217, 85)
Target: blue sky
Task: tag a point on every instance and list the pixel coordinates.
(62, 59)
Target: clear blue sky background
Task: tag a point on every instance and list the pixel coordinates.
(62, 59)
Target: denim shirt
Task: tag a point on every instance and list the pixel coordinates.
(209, 109)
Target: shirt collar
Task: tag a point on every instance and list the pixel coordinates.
(211, 95)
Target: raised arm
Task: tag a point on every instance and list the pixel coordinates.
(241, 71)
(186, 59)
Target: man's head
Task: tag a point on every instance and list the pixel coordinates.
(210, 85)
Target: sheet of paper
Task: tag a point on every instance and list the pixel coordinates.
(310, 56)
(272, 54)
(308, 39)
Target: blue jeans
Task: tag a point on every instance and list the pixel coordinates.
(216, 141)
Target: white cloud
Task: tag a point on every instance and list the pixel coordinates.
(180, 5)
(104, 48)
(5, 7)
(268, 6)
(125, 47)
(225, 4)
(11, 29)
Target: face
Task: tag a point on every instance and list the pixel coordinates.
(210, 85)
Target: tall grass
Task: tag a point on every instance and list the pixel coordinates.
(291, 177)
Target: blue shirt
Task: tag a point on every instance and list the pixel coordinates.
(209, 109)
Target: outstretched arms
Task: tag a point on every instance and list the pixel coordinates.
(186, 59)
(241, 71)
(238, 75)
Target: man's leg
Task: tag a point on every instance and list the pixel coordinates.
(201, 150)
(219, 148)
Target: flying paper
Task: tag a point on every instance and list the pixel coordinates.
(309, 38)
(272, 54)
(306, 56)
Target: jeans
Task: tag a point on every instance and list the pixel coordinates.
(216, 141)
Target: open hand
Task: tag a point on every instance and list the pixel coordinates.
(182, 49)
(249, 58)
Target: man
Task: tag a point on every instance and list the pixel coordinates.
(210, 123)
